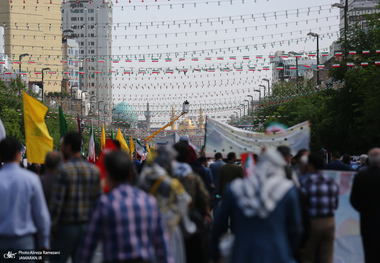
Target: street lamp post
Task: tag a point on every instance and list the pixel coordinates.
(100, 101)
(43, 82)
(243, 108)
(81, 102)
(345, 7)
(251, 103)
(259, 91)
(247, 106)
(267, 80)
(263, 88)
(316, 36)
(19, 66)
(240, 111)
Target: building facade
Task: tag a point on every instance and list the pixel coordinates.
(70, 66)
(34, 28)
(91, 23)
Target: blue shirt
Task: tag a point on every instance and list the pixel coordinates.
(137, 164)
(23, 209)
(215, 169)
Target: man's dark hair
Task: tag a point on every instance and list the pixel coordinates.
(336, 155)
(117, 143)
(218, 156)
(300, 153)
(316, 160)
(347, 159)
(9, 147)
(52, 160)
(182, 150)
(284, 150)
(231, 156)
(74, 139)
(138, 157)
(202, 159)
(119, 166)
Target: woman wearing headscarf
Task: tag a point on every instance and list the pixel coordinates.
(267, 223)
(171, 197)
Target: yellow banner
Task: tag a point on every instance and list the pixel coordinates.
(103, 138)
(123, 143)
(38, 140)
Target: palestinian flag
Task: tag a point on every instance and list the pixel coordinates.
(338, 53)
(232, 57)
(377, 63)
(265, 68)
(194, 59)
(364, 64)
(128, 60)
(208, 58)
(220, 58)
(154, 59)
(259, 56)
(365, 52)
(102, 61)
(312, 54)
(168, 60)
(292, 67)
(142, 60)
(325, 54)
(280, 68)
(321, 66)
(245, 57)
(350, 64)
(353, 52)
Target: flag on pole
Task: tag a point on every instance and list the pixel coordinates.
(112, 135)
(38, 140)
(103, 138)
(63, 129)
(140, 149)
(91, 146)
(132, 147)
(147, 148)
(123, 143)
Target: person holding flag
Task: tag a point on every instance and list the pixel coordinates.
(91, 147)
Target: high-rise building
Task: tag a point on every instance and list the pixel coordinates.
(33, 29)
(356, 11)
(91, 22)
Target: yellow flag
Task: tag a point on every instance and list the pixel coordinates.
(147, 148)
(38, 140)
(132, 148)
(103, 138)
(123, 144)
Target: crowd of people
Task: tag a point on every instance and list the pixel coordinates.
(178, 207)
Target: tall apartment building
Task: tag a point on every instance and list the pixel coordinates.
(356, 11)
(91, 22)
(34, 28)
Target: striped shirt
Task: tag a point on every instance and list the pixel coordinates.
(74, 192)
(128, 222)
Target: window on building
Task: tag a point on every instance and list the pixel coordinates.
(11, 7)
(90, 11)
(82, 51)
(82, 19)
(91, 27)
(23, 7)
(48, 8)
(91, 18)
(22, 37)
(76, 11)
(73, 18)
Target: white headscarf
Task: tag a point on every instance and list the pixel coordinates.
(259, 194)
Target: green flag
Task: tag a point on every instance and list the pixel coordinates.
(63, 129)
(112, 135)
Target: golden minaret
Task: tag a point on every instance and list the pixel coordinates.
(201, 120)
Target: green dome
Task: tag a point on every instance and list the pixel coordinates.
(125, 112)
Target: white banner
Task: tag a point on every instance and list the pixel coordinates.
(224, 138)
